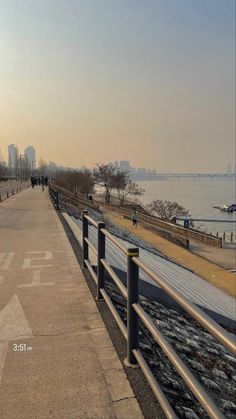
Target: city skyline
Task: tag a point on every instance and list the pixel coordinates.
(124, 165)
(149, 82)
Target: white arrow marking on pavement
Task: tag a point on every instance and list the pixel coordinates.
(13, 322)
(13, 325)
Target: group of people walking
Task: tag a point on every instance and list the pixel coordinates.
(39, 180)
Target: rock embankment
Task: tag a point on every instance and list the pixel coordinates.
(209, 361)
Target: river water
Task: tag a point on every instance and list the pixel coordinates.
(199, 196)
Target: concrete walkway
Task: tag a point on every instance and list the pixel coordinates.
(209, 271)
(56, 358)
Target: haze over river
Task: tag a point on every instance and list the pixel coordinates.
(197, 195)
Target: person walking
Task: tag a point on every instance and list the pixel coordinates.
(134, 218)
(42, 182)
(32, 180)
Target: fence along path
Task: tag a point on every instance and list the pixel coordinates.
(135, 312)
(189, 284)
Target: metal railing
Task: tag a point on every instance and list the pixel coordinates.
(135, 314)
(78, 199)
(12, 191)
(227, 237)
(54, 197)
(172, 228)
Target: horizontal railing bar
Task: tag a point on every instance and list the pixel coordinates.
(77, 197)
(91, 221)
(165, 405)
(115, 241)
(114, 312)
(89, 266)
(91, 246)
(214, 328)
(115, 278)
(182, 369)
(66, 192)
(173, 228)
(211, 220)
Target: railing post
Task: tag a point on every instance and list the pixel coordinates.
(85, 235)
(132, 297)
(57, 200)
(101, 255)
(7, 194)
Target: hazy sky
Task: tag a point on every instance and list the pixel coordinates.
(150, 81)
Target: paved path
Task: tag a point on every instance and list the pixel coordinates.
(209, 271)
(56, 358)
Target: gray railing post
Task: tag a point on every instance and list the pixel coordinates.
(85, 235)
(132, 297)
(57, 200)
(101, 255)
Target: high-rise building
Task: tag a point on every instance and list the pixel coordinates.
(13, 156)
(30, 155)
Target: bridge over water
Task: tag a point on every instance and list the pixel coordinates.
(183, 176)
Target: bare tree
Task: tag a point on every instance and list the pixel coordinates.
(76, 181)
(85, 182)
(125, 186)
(167, 209)
(104, 176)
(42, 166)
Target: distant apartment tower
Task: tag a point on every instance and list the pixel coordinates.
(31, 156)
(13, 155)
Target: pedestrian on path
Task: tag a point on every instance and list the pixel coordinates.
(134, 218)
(42, 182)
